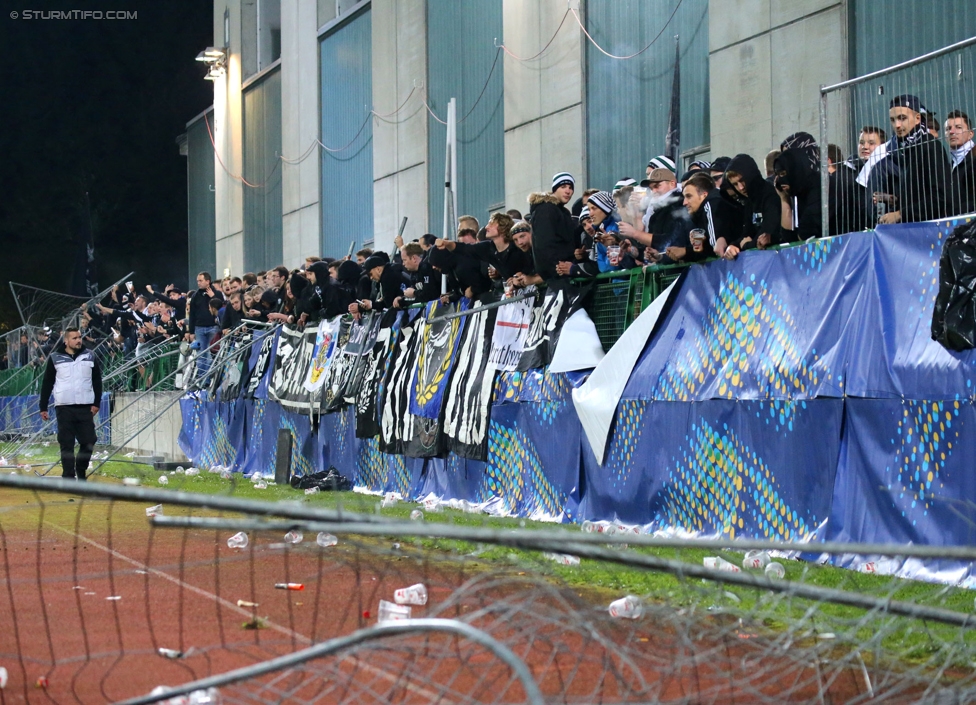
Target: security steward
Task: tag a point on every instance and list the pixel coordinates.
(73, 374)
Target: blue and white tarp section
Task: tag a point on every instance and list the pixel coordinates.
(792, 394)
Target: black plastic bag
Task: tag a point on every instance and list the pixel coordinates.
(326, 480)
(954, 314)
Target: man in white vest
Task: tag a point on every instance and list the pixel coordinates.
(75, 378)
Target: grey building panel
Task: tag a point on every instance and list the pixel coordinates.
(887, 32)
(460, 55)
(628, 101)
(347, 96)
(262, 169)
(200, 198)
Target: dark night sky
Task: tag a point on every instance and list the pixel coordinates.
(96, 106)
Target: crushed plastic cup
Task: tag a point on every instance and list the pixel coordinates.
(417, 515)
(629, 607)
(163, 480)
(775, 571)
(869, 567)
(294, 537)
(131, 481)
(169, 653)
(325, 540)
(562, 558)
(238, 540)
(588, 527)
(3, 677)
(719, 563)
(192, 472)
(225, 474)
(154, 511)
(389, 499)
(391, 612)
(312, 490)
(216, 469)
(179, 470)
(210, 696)
(261, 485)
(432, 505)
(755, 560)
(413, 595)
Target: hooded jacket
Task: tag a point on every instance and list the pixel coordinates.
(762, 208)
(554, 233)
(719, 219)
(800, 181)
(922, 186)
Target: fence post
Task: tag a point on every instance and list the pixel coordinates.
(824, 176)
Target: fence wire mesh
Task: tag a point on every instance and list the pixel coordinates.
(104, 603)
(895, 144)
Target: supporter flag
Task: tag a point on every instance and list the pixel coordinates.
(375, 370)
(396, 421)
(439, 343)
(85, 276)
(672, 140)
(325, 339)
(293, 356)
(468, 399)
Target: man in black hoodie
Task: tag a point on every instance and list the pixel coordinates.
(922, 187)
(554, 233)
(391, 280)
(799, 186)
(762, 209)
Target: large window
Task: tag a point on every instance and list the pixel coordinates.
(628, 101)
(347, 132)
(461, 53)
(201, 212)
(260, 35)
(262, 170)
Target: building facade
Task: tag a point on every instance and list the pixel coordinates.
(327, 126)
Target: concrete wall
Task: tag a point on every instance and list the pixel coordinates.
(543, 99)
(229, 203)
(399, 142)
(767, 61)
(135, 410)
(299, 131)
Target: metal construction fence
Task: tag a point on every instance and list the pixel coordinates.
(886, 141)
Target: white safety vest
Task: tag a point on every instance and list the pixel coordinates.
(73, 380)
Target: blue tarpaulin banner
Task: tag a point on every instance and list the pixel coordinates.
(790, 394)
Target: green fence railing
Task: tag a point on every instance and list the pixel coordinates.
(619, 297)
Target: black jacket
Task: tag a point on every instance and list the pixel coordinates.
(962, 198)
(801, 183)
(847, 201)
(200, 315)
(554, 234)
(762, 208)
(393, 281)
(719, 219)
(670, 224)
(508, 262)
(922, 186)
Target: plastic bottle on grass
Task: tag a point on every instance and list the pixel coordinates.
(238, 540)
(413, 595)
(325, 540)
(294, 537)
(719, 563)
(562, 558)
(629, 607)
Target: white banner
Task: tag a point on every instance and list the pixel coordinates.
(511, 331)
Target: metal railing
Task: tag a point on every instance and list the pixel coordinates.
(889, 178)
